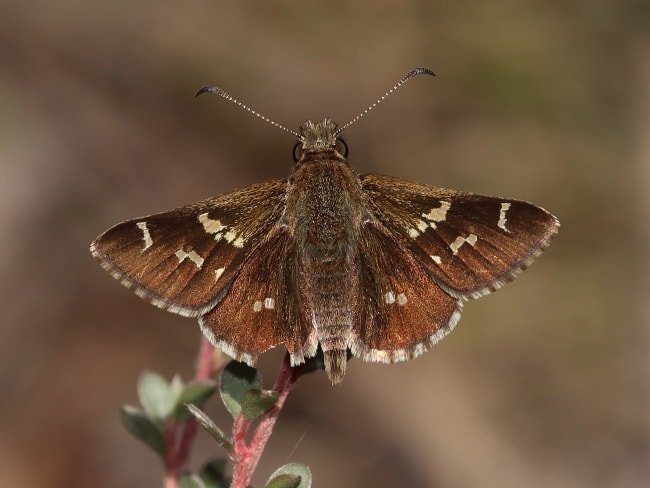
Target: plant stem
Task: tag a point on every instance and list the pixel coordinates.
(178, 446)
(247, 456)
(206, 365)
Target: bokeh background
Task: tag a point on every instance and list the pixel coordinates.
(545, 383)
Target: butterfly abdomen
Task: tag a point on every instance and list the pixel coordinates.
(327, 223)
(331, 297)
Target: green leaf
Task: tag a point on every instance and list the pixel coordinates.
(176, 386)
(157, 397)
(206, 422)
(236, 379)
(256, 401)
(292, 475)
(195, 392)
(191, 480)
(213, 474)
(285, 481)
(143, 428)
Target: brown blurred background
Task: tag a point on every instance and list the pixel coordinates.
(546, 383)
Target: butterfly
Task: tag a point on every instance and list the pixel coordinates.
(371, 265)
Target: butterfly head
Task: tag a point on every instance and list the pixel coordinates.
(319, 137)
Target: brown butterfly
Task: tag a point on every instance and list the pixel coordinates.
(370, 264)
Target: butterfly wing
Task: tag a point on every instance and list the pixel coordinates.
(402, 315)
(260, 310)
(470, 244)
(183, 260)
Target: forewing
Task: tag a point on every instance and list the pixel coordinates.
(403, 311)
(471, 244)
(184, 259)
(260, 310)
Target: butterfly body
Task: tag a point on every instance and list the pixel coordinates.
(370, 264)
(324, 211)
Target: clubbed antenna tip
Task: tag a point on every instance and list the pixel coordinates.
(223, 94)
(411, 74)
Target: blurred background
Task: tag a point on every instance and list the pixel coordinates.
(545, 383)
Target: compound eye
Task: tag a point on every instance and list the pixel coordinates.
(297, 152)
(341, 147)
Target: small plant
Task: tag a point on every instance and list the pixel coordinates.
(170, 412)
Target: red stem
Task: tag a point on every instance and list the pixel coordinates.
(247, 456)
(178, 448)
(206, 365)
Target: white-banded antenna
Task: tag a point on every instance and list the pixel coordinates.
(411, 74)
(218, 91)
(223, 94)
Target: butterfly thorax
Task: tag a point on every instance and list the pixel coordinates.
(326, 219)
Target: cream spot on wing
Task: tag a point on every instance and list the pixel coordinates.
(192, 256)
(257, 306)
(230, 235)
(269, 303)
(436, 259)
(421, 225)
(239, 242)
(438, 214)
(502, 216)
(146, 237)
(413, 233)
(455, 246)
(209, 225)
(389, 297)
(401, 299)
(218, 272)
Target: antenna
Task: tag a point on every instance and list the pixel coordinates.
(223, 94)
(218, 91)
(411, 74)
